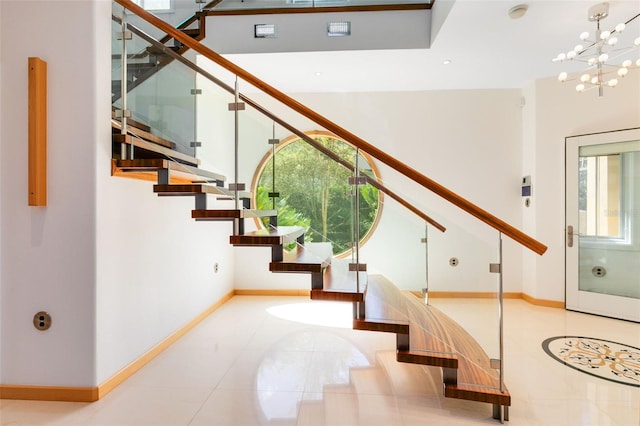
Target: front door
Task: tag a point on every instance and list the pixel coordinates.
(603, 224)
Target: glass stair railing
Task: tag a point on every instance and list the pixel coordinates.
(212, 102)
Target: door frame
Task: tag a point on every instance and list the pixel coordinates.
(626, 308)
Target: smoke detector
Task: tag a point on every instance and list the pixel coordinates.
(517, 12)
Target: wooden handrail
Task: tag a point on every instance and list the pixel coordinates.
(455, 199)
(323, 9)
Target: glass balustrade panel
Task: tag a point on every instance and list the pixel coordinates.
(455, 271)
(286, 174)
(161, 94)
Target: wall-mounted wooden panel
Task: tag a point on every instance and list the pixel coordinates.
(37, 132)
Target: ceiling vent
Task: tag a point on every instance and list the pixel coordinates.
(264, 31)
(339, 29)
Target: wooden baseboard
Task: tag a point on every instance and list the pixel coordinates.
(543, 302)
(491, 295)
(472, 295)
(260, 292)
(91, 394)
(432, 294)
(49, 393)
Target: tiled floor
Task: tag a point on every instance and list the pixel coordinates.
(291, 361)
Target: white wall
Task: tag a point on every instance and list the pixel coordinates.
(479, 144)
(48, 253)
(154, 264)
(529, 162)
(118, 268)
(155, 268)
(1, 61)
(468, 141)
(553, 112)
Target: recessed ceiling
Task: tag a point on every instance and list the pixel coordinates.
(486, 47)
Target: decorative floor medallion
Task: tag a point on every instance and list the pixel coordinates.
(600, 358)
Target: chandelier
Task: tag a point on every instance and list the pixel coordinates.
(606, 61)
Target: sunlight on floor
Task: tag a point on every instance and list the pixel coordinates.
(327, 314)
(306, 360)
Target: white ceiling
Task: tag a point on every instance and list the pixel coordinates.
(487, 48)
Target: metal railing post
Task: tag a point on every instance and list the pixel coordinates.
(236, 143)
(357, 219)
(503, 409)
(426, 263)
(123, 87)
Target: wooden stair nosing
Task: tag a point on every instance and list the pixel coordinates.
(295, 267)
(268, 237)
(305, 260)
(117, 137)
(153, 147)
(193, 189)
(130, 122)
(312, 257)
(477, 393)
(231, 214)
(336, 296)
(435, 359)
(385, 326)
(184, 171)
(340, 286)
(186, 189)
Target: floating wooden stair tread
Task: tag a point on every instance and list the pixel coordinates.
(268, 236)
(150, 146)
(311, 257)
(341, 285)
(116, 123)
(434, 339)
(143, 134)
(477, 381)
(231, 214)
(429, 333)
(195, 189)
(385, 308)
(180, 173)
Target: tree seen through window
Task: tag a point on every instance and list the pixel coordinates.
(314, 192)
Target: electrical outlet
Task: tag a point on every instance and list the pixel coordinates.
(42, 321)
(215, 268)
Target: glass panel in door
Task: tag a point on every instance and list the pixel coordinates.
(603, 224)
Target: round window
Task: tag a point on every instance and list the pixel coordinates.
(309, 189)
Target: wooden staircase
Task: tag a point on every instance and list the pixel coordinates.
(427, 336)
(424, 335)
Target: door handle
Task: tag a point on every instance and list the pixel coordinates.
(570, 235)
